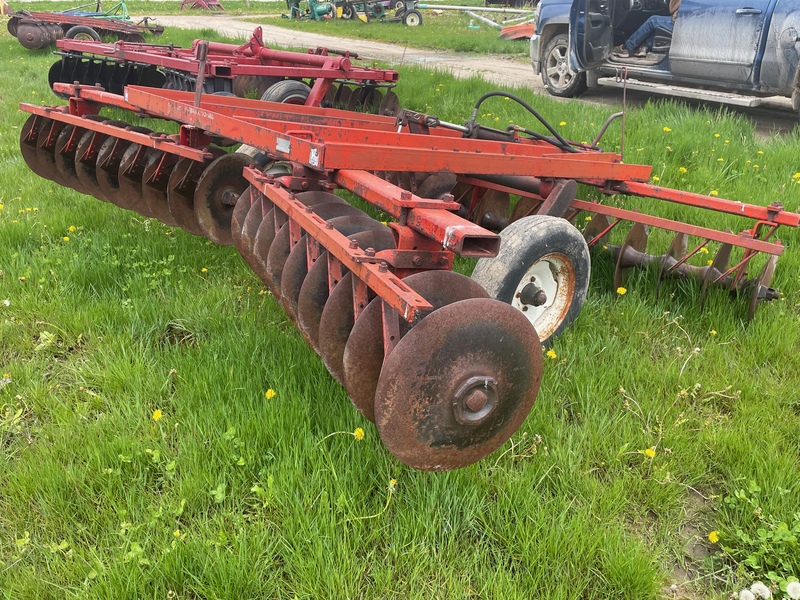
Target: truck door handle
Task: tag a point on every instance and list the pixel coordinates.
(748, 11)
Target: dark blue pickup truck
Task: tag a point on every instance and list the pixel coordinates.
(734, 51)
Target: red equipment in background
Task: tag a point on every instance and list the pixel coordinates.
(250, 69)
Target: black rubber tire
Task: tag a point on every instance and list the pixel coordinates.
(348, 12)
(553, 251)
(568, 83)
(288, 91)
(82, 32)
(412, 18)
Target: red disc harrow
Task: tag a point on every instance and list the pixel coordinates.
(446, 366)
(320, 77)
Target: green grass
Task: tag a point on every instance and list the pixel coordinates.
(230, 494)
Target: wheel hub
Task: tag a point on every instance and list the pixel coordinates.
(475, 400)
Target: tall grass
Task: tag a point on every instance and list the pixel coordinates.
(142, 456)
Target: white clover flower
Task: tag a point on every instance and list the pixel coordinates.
(760, 590)
(746, 595)
(793, 590)
(6, 302)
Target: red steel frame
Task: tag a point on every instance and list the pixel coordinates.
(100, 24)
(336, 149)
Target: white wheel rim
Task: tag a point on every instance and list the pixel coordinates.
(555, 276)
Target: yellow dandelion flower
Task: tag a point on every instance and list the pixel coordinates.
(28, 210)
(667, 129)
(795, 176)
(720, 159)
(72, 228)
(563, 123)
(682, 170)
(713, 537)
(270, 394)
(22, 278)
(1, 206)
(704, 250)
(760, 152)
(713, 332)
(588, 218)
(716, 135)
(656, 178)
(358, 434)
(650, 452)
(177, 533)
(669, 148)
(392, 485)
(709, 262)
(157, 414)
(204, 270)
(65, 238)
(621, 291)
(755, 166)
(727, 141)
(713, 193)
(551, 353)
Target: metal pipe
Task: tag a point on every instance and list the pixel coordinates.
(515, 11)
(483, 19)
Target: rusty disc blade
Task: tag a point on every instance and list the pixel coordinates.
(437, 185)
(637, 241)
(314, 291)
(252, 223)
(45, 146)
(717, 267)
(280, 249)
(494, 205)
(155, 177)
(64, 156)
(458, 385)
(335, 325)
(343, 97)
(239, 214)
(363, 353)
(390, 105)
(596, 226)
(761, 287)
(523, 208)
(676, 250)
(373, 102)
(86, 161)
(181, 186)
(296, 267)
(266, 234)
(354, 103)
(107, 168)
(218, 188)
(27, 143)
(129, 178)
(329, 101)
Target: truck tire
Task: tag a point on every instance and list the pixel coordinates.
(557, 76)
(538, 254)
(81, 32)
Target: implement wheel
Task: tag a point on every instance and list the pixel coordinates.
(82, 33)
(412, 18)
(542, 270)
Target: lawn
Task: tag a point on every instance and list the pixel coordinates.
(165, 432)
